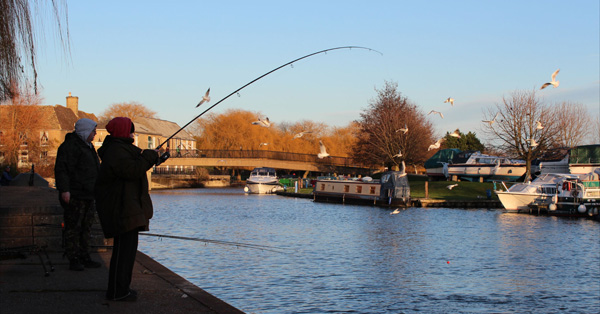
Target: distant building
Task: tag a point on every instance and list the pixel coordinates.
(60, 120)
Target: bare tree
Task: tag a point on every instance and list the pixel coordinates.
(18, 45)
(523, 126)
(574, 124)
(130, 110)
(381, 141)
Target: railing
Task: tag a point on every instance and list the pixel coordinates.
(266, 154)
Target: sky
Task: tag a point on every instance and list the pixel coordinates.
(165, 56)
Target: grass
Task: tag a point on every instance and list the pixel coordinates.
(437, 189)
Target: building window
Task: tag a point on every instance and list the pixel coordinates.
(150, 143)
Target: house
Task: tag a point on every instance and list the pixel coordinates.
(60, 120)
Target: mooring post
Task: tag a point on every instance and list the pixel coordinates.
(426, 189)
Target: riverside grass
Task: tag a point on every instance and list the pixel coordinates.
(437, 189)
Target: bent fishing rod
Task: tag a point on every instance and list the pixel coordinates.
(258, 78)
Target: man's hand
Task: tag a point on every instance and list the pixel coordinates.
(66, 197)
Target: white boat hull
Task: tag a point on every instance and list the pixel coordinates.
(521, 201)
(262, 188)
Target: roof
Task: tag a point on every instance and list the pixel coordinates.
(161, 127)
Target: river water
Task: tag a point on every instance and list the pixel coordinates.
(337, 258)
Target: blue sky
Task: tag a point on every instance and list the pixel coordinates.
(165, 56)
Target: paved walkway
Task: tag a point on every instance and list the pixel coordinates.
(25, 289)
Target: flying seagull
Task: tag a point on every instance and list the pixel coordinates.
(261, 122)
(538, 125)
(455, 134)
(404, 129)
(532, 142)
(205, 98)
(450, 100)
(399, 154)
(263, 144)
(554, 82)
(323, 151)
(433, 111)
(436, 145)
(396, 211)
(301, 134)
(491, 121)
(451, 186)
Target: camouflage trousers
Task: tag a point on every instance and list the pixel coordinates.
(79, 217)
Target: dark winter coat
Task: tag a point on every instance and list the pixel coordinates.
(76, 167)
(122, 197)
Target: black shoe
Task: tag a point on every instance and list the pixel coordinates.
(75, 264)
(129, 297)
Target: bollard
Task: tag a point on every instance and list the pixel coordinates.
(426, 189)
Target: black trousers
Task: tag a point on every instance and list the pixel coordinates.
(121, 264)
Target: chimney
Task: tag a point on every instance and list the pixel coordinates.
(73, 104)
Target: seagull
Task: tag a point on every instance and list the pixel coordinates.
(451, 186)
(301, 134)
(399, 154)
(450, 100)
(433, 111)
(455, 134)
(396, 211)
(261, 122)
(554, 82)
(491, 121)
(205, 98)
(436, 145)
(323, 152)
(538, 125)
(404, 129)
(263, 144)
(532, 142)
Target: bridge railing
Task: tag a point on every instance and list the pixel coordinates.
(265, 154)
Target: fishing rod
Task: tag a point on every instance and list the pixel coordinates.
(258, 78)
(236, 244)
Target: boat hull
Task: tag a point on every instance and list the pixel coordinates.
(262, 187)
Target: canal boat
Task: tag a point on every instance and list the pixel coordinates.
(263, 180)
(475, 166)
(391, 190)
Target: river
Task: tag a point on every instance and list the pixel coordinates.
(334, 258)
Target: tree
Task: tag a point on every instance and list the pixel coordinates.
(22, 124)
(467, 141)
(130, 110)
(17, 45)
(574, 124)
(515, 126)
(379, 139)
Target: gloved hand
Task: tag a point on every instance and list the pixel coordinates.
(162, 158)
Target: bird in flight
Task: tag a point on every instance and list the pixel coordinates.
(491, 121)
(450, 100)
(433, 111)
(263, 144)
(261, 122)
(554, 82)
(435, 145)
(538, 125)
(404, 129)
(532, 142)
(455, 134)
(451, 186)
(205, 98)
(323, 151)
(399, 154)
(396, 211)
(298, 135)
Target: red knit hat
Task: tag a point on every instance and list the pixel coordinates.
(120, 127)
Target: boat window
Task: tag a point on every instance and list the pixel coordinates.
(359, 189)
(346, 188)
(272, 174)
(322, 186)
(372, 191)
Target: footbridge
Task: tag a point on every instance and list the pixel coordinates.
(186, 160)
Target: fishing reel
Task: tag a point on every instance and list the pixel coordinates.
(163, 158)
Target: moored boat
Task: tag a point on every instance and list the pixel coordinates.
(391, 190)
(263, 180)
(475, 166)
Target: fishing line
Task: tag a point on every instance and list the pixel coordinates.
(258, 78)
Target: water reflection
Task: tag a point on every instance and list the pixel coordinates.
(362, 259)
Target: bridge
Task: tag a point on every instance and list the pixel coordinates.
(185, 161)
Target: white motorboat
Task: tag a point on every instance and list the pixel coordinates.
(263, 180)
(541, 190)
(475, 166)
